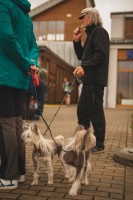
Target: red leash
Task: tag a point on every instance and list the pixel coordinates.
(35, 79)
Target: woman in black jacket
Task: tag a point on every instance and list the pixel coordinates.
(94, 56)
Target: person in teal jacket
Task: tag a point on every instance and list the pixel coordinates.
(18, 60)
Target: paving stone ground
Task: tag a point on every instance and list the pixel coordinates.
(109, 180)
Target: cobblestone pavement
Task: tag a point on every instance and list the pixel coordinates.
(108, 180)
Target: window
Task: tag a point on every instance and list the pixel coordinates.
(49, 30)
(42, 30)
(125, 83)
(129, 28)
(60, 30)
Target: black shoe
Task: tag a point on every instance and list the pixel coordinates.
(36, 117)
(97, 149)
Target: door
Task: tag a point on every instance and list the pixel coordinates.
(125, 83)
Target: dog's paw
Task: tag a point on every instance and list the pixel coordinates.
(50, 182)
(71, 180)
(72, 193)
(67, 176)
(85, 182)
(34, 183)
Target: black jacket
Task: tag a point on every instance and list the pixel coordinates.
(94, 55)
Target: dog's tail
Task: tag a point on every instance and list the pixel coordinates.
(82, 140)
(59, 144)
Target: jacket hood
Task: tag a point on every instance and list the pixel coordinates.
(23, 4)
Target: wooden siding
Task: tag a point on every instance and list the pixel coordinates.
(57, 70)
(60, 11)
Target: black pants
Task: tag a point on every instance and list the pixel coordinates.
(90, 109)
(12, 150)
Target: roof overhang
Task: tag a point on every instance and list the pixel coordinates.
(45, 6)
(49, 4)
(126, 13)
(122, 41)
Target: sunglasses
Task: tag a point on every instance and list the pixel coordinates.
(81, 18)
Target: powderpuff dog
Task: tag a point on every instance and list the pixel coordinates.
(76, 159)
(43, 151)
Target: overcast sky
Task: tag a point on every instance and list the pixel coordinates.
(105, 7)
(36, 2)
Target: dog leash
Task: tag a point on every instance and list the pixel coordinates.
(36, 83)
(61, 103)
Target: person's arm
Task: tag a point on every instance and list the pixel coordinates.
(78, 49)
(77, 35)
(34, 50)
(8, 41)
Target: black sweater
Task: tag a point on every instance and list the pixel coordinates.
(94, 55)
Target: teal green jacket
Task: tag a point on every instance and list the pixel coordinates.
(18, 48)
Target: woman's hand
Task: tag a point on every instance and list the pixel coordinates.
(33, 69)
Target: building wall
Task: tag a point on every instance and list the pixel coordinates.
(57, 70)
(112, 79)
(60, 11)
(64, 49)
(119, 94)
(122, 26)
(117, 24)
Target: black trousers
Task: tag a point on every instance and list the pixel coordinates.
(90, 110)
